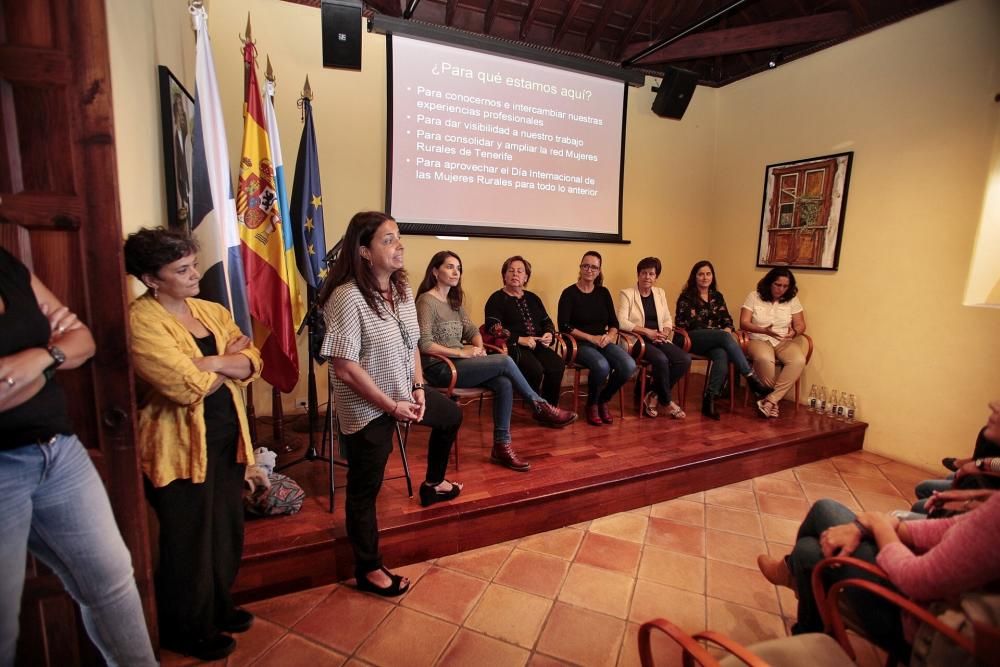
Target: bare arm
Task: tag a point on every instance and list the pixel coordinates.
(798, 323)
(354, 376)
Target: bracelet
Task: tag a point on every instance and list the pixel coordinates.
(865, 533)
(417, 386)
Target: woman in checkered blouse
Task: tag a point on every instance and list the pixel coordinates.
(377, 381)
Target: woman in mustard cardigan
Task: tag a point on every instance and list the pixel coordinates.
(192, 362)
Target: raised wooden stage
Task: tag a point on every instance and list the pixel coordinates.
(578, 473)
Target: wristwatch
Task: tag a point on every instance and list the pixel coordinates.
(58, 359)
(981, 464)
(417, 385)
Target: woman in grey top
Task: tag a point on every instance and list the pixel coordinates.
(445, 328)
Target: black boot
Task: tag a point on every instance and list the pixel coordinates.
(757, 387)
(708, 407)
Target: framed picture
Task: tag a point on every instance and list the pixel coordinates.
(177, 120)
(802, 216)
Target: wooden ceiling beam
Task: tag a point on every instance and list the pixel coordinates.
(819, 28)
(598, 27)
(449, 12)
(529, 17)
(566, 20)
(639, 17)
(492, 7)
(387, 7)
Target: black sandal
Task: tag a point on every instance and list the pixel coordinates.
(430, 495)
(390, 591)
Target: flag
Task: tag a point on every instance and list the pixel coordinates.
(213, 209)
(262, 245)
(307, 205)
(298, 304)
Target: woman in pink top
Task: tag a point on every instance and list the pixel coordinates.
(925, 560)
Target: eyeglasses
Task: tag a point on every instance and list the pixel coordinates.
(589, 267)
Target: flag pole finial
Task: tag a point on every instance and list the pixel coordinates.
(248, 37)
(269, 73)
(307, 95)
(307, 90)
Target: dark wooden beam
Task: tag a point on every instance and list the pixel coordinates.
(566, 19)
(639, 17)
(449, 12)
(822, 27)
(529, 17)
(492, 7)
(387, 7)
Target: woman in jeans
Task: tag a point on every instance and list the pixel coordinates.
(445, 328)
(701, 311)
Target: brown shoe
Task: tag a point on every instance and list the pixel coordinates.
(593, 415)
(605, 412)
(550, 415)
(776, 571)
(503, 454)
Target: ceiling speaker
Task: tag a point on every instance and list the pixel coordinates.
(675, 92)
(342, 34)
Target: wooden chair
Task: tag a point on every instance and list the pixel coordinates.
(567, 347)
(645, 375)
(745, 345)
(683, 384)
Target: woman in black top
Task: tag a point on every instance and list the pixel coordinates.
(522, 314)
(587, 313)
(701, 310)
(54, 504)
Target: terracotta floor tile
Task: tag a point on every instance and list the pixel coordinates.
(878, 502)
(821, 477)
(541, 660)
(856, 467)
(344, 619)
(562, 543)
(741, 585)
(816, 492)
(171, 659)
(676, 536)
(743, 485)
(673, 569)
(629, 653)
(733, 521)
(905, 470)
(789, 603)
(286, 610)
(624, 525)
(781, 530)
(823, 465)
(472, 648)
(609, 553)
(871, 457)
(666, 652)
(787, 473)
(354, 662)
(731, 548)
(684, 511)
(683, 608)
(482, 563)
(295, 651)
(253, 643)
(696, 497)
(581, 636)
(597, 589)
(744, 624)
(788, 508)
(510, 615)
(735, 498)
(533, 572)
(414, 571)
(408, 638)
(446, 594)
(644, 511)
(869, 485)
(779, 487)
(778, 550)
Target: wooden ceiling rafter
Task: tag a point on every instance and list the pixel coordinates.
(560, 32)
(492, 7)
(449, 12)
(597, 29)
(529, 17)
(630, 30)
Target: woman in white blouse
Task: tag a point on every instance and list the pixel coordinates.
(773, 317)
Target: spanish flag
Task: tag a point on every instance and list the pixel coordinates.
(262, 240)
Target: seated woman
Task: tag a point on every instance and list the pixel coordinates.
(701, 311)
(643, 310)
(193, 362)
(445, 327)
(523, 314)
(587, 313)
(773, 317)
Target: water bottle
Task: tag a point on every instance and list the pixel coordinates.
(842, 407)
(851, 408)
(822, 400)
(832, 404)
(813, 399)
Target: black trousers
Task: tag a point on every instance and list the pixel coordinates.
(669, 363)
(368, 451)
(201, 544)
(543, 368)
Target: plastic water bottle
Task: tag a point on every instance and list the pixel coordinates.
(842, 407)
(832, 404)
(822, 400)
(813, 399)
(851, 408)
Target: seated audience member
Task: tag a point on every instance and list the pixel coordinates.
(702, 312)
(773, 317)
(54, 503)
(643, 310)
(445, 328)
(587, 313)
(521, 313)
(193, 363)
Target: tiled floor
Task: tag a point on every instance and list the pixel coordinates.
(577, 595)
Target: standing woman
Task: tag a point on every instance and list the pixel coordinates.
(377, 380)
(54, 504)
(193, 363)
(444, 329)
(702, 312)
(587, 313)
(774, 317)
(643, 310)
(531, 329)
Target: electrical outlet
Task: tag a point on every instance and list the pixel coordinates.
(301, 404)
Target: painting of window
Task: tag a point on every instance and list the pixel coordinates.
(802, 215)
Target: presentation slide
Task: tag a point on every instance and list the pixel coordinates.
(497, 146)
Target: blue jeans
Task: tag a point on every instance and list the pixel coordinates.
(609, 364)
(720, 347)
(500, 374)
(927, 488)
(880, 618)
(54, 505)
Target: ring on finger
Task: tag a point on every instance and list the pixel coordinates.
(61, 329)
(10, 381)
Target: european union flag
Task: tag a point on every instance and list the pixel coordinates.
(307, 206)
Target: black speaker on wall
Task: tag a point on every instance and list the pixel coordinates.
(675, 92)
(342, 33)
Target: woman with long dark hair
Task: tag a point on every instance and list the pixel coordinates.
(377, 381)
(445, 328)
(702, 312)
